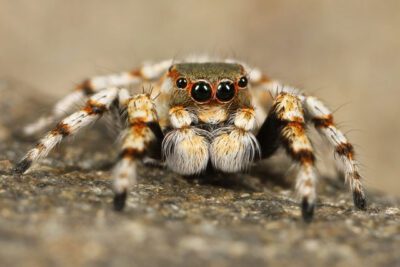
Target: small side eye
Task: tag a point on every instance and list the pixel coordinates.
(181, 83)
(242, 83)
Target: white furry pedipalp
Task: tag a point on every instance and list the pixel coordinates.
(233, 149)
(186, 150)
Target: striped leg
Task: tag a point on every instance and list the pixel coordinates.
(141, 137)
(286, 124)
(62, 107)
(90, 86)
(95, 107)
(323, 121)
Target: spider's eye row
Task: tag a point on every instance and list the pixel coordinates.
(225, 91)
(201, 91)
(242, 82)
(181, 83)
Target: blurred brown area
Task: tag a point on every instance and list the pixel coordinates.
(345, 52)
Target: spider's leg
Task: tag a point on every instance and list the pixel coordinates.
(142, 136)
(62, 107)
(234, 148)
(94, 108)
(323, 121)
(286, 124)
(148, 72)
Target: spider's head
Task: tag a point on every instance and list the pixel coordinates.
(206, 83)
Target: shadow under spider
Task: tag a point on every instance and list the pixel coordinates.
(255, 180)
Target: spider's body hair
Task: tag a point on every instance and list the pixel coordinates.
(238, 115)
(186, 150)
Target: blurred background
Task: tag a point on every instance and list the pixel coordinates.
(345, 52)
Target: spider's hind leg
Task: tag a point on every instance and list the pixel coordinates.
(323, 121)
(88, 87)
(142, 136)
(95, 107)
(285, 125)
(60, 109)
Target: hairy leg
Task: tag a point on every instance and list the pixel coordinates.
(323, 121)
(142, 137)
(286, 125)
(92, 85)
(93, 110)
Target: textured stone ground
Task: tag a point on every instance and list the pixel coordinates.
(60, 213)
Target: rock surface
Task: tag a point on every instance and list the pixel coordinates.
(59, 214)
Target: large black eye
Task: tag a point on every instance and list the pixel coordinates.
(225, 91)
(242, 82)
(181, 83)
(201, 91)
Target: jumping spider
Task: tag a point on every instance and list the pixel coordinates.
(202, 113)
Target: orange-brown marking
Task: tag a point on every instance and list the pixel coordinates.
(298, 127)
(286, 103)
(94, 108)
(264, 79)
(86, 86)
(138, 120)
(139, 129)
(248, 113)
(173, 73)
(304, 156)
(357, 176)
(62, 129)
(176, 109)
(136, 73)
(212, 112)
(40, 146)
(323, 122)
(345, 149)
(131, 153)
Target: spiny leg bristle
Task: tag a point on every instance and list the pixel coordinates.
(119, 201)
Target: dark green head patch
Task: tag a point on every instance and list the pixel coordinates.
(212, 72)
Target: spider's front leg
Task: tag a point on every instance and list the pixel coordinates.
(142, 137)
(93, 110)
(285, 124)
